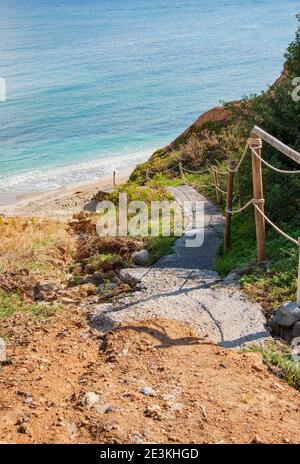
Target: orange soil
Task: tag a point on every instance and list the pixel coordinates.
(201, 393)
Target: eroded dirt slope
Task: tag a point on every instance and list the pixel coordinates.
(149, 382)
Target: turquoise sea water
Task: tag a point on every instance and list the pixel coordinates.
(96, 85)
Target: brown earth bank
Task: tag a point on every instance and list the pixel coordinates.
(150, 382)
(217, 114)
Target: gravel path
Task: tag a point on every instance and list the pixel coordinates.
(182, 286)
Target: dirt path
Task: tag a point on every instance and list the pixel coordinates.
(150, 382)
(183, 287)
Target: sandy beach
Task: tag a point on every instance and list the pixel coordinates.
(62, 203)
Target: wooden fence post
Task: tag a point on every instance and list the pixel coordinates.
(258, 197)
(216, 182)
(229, 200)
(114, 179)
(298, 286)
(181, 171)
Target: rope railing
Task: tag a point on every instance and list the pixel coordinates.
(237, 167)
(161, 172)
(194, 184)
(195, 172)
(280, 171)
(255, 203)
(190, 171)
(254, 143)
(232, 211)
(220, 190)
(280, 231)
(225, 173)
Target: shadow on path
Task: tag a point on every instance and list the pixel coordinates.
(161, 335)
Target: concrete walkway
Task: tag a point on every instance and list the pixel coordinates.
(189, 257)
(184, 287)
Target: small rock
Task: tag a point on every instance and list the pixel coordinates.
(24, 429)
(136, 438)
(141, 258)
(22, 420)
(152, 411)
(28, 400)
(148, 391)
(242, 270)
(67, 301)
(23, 371)
(98, 277)
(2, 350)
(140, 287)
(275, 328)
(176, 406)
(90, 399)
(127, 278)
(109, 409)
(72, 428)
(24, 394)
(296, 330)
(230, 278)
(277, 386)
(90, 269)
(48, 286)
(104, 408)
(89, 279)
(60, 422)
(87, 289)
(257, 440)
(257, 367)
(287, 315)
(111, 286)
(255, 361)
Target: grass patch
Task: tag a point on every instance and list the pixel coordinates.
(12, 303)
(98, 260)
(159, 246)
(141, 193)
(242, 250)
(279, 355)
(160, 180)
(76, 280)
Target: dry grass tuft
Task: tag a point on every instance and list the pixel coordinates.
(42, 245)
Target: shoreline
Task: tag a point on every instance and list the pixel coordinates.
(63, 202)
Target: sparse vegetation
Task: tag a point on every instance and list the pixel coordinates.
(279, 355)
(35, 244)
(159, 246)
(11, 303)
